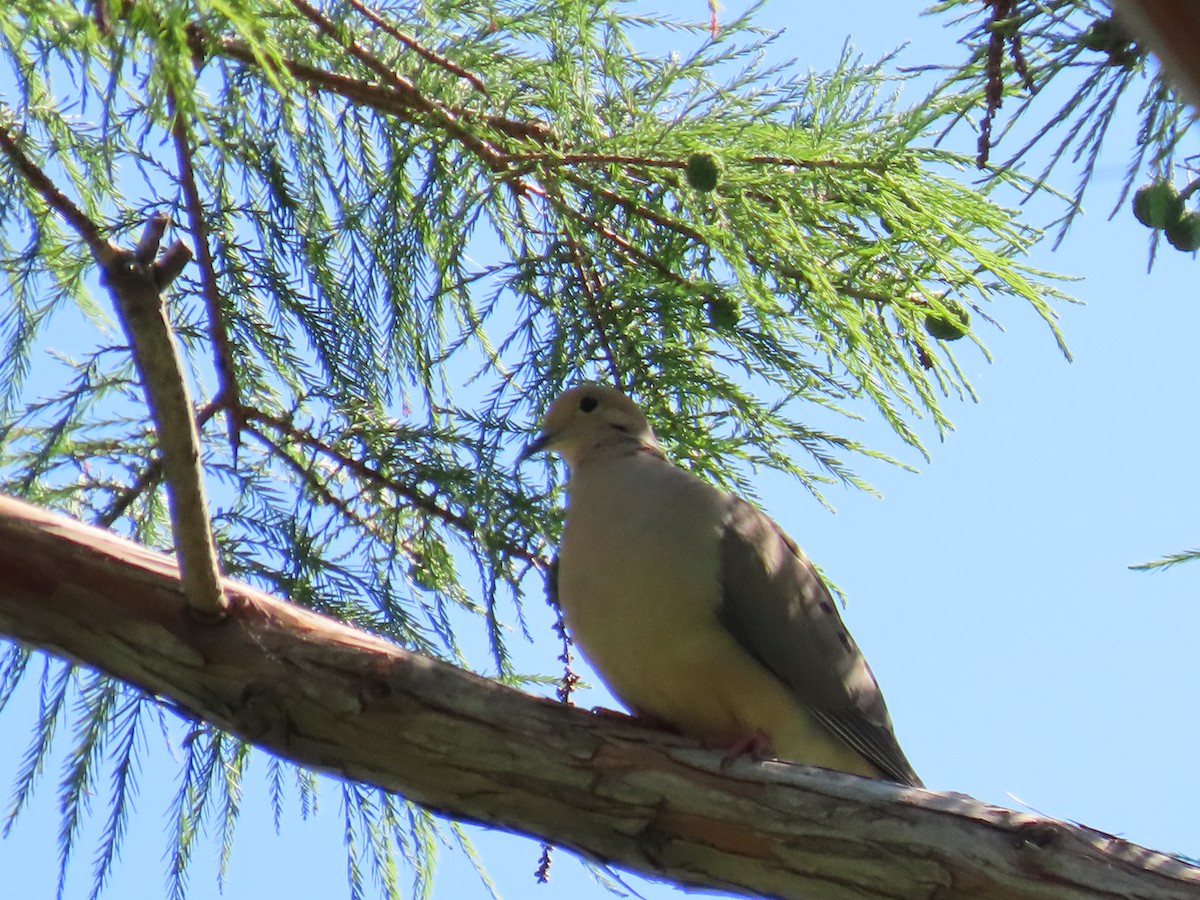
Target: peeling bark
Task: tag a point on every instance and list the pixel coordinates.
(320, 693)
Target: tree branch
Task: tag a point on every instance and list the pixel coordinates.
(412, 44)
(228, 393)
(400, 97)
(369, 474)
(136, 280)
(345, 702)
(136, 283)
(54, 198)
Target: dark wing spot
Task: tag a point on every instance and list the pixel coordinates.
(588, 403)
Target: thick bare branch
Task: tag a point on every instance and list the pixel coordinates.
(318, 692)
(136, 281)
(136, 286)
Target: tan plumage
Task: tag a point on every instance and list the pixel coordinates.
(696, 609)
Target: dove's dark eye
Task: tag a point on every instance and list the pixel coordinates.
(587, 404)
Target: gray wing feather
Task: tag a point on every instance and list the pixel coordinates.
(775, 604)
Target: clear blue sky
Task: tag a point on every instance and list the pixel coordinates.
(1023, 663)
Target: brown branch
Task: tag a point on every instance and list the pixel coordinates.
(590, 289)
(136, 287)
(399, 98)
(324, 495)
(411, 43)
(638, 209)
(326, 26)
(228, 393)
(371, 475)
(633, 253)
(147, 480)
(348, 703)
(650, 162)
(136, 282)
(55, 199)
(794, 163)
(548, 160)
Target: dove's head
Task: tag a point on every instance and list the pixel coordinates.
(591, 419)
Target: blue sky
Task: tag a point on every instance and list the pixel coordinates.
(1024, 664)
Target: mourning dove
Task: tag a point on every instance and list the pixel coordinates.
(697, 610)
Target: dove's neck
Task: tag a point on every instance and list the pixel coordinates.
(613, 446)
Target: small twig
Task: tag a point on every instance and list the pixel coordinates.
(148, 479)
(371, 475)
(547, 160)
(550, 160)
(388, 28)
(55, 199)
(636, 208)
(329, 29)
(228, 393)
(323, 493)
(622, 244)
(795, 163)
(399, 97)
(137, 293)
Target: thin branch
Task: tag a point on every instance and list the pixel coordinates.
(148, 479)
(228, 394)
(324, 495)
(638, 209)
(326, 26)
(631, 252)
(548, 160)
(371, 475)
(55, 199)
(796, 163)
(400, 97)
(136, 283)
(590, 290)
(411, 43)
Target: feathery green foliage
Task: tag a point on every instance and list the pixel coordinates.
(415, 234)
(1168, 561)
